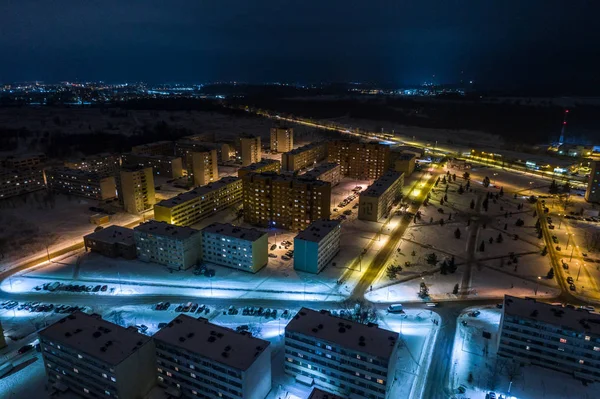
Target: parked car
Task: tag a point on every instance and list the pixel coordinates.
(475, 313)
(104, 288)
(570, 280)
(572, 287)
(25, 349)
(273, 247)
(272, 255)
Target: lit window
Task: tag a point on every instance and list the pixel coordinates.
(380, 381)
(581, 361)
(563, 341)
(113, 379)
(86, 390)
(193, 375)
(328, 347)
(75, 370)
(597, 349)
(106, 392)
(79, 356)
(527, 347)
(587, 337)
(104, 375)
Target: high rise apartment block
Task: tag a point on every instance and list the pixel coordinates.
(251, 149)
(156, 148)
(177, 247)
(195, 358)
(233, 246)
(366, 161)
(190, 207)
(376, 201)
(272, 200)
(282, 139)
(24, 161)
(340, 355)
(102, 164)
(136, 189)
(266, 165)
(329, 172)
(317, 245)
(592, 194)
(81, 183)
(168, 166)
(304, 157)
(94, 358)
(21, 181)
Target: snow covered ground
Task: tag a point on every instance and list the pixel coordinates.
(473, 354)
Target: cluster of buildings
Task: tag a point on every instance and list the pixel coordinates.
(592, 194)
(377, 200)
(192, 357)
(21, 175)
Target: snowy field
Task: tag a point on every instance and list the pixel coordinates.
(475, 355)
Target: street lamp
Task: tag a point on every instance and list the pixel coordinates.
(579, 271)
(572, 248)
(569, 238)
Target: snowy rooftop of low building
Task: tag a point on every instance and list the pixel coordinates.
(319, 170)
(113, 235)
(381, 185)
(197, 192)
(257, 165)
(91, 335)
(319, 394)
(306, 147)
(573, 319)
(220, 344)
(317, 230)
(166, 229)
(364, 338)
(230, 230)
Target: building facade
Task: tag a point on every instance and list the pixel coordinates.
(136, 189)
(81, 183)
(272, 200)
(317, 245)
(317, 393)
(102, 164)
(156, 148)
(191, 207)
(266, 165)
(177, 247)
(112, 241)
(592, 194)
(403, 162)
(376, 201)
(251, 149)
(237, 247)
(195, 358)
(204, 167)
(304, 157)
(24, 161)
(366, 161)
(551, 336)
(282, 139)
(329, 172)
(168, 166)
(98, 359)
(340, 355)
(21, 181)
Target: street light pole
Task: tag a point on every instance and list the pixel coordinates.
(571, 257)
(578, 272)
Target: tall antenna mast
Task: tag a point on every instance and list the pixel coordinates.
(561, 139)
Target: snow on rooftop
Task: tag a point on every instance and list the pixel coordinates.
(317, 171)
(113, 235)
(230, 230)
(364, 338)
(197, 192)
(317, 230)
(98, 338)
(382, 184)
(220, 344)
(580, 320)
(166, 229)
(257, 165)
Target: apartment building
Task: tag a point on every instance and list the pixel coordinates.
(103, 164)
(251, 149)
(196, 358)
(329, 172)
(24, 161)
(227, 152)
(272, 200)
(186, 147)
(551, 336)
(366, 161)
(81, 183)
(317, 393)
(340, 355)
(592, 193)
(304, 157)
(21, 181)
(192, 206)
(94, 358)
(136, 189)
(112, 241)
(233, 246)
(157, 148)
(317, 245)
(168, 166)
(2, 339)
(265, 165)
(403, 162)
(377, 199)
(177, 247)
(282, 139)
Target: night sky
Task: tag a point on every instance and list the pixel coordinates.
(500, 44)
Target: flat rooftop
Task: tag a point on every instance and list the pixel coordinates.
(318, 170)
(317, 230)
(166, 229)
(382, 184)
(76, 173)
(363, 338)
(113, 235)
(319, 394)
(257, 165)
(230, 230)
(197, 192)
(307, 147)
(95, 337)
(220, 344)
(572, 319)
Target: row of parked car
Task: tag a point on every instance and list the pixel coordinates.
(348, 200)
(184, 307)
(56, 286)
(259, 311)
(37, 307)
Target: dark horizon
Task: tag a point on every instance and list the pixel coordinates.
(508, 45)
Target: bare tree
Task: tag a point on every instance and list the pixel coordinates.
(591, 240)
